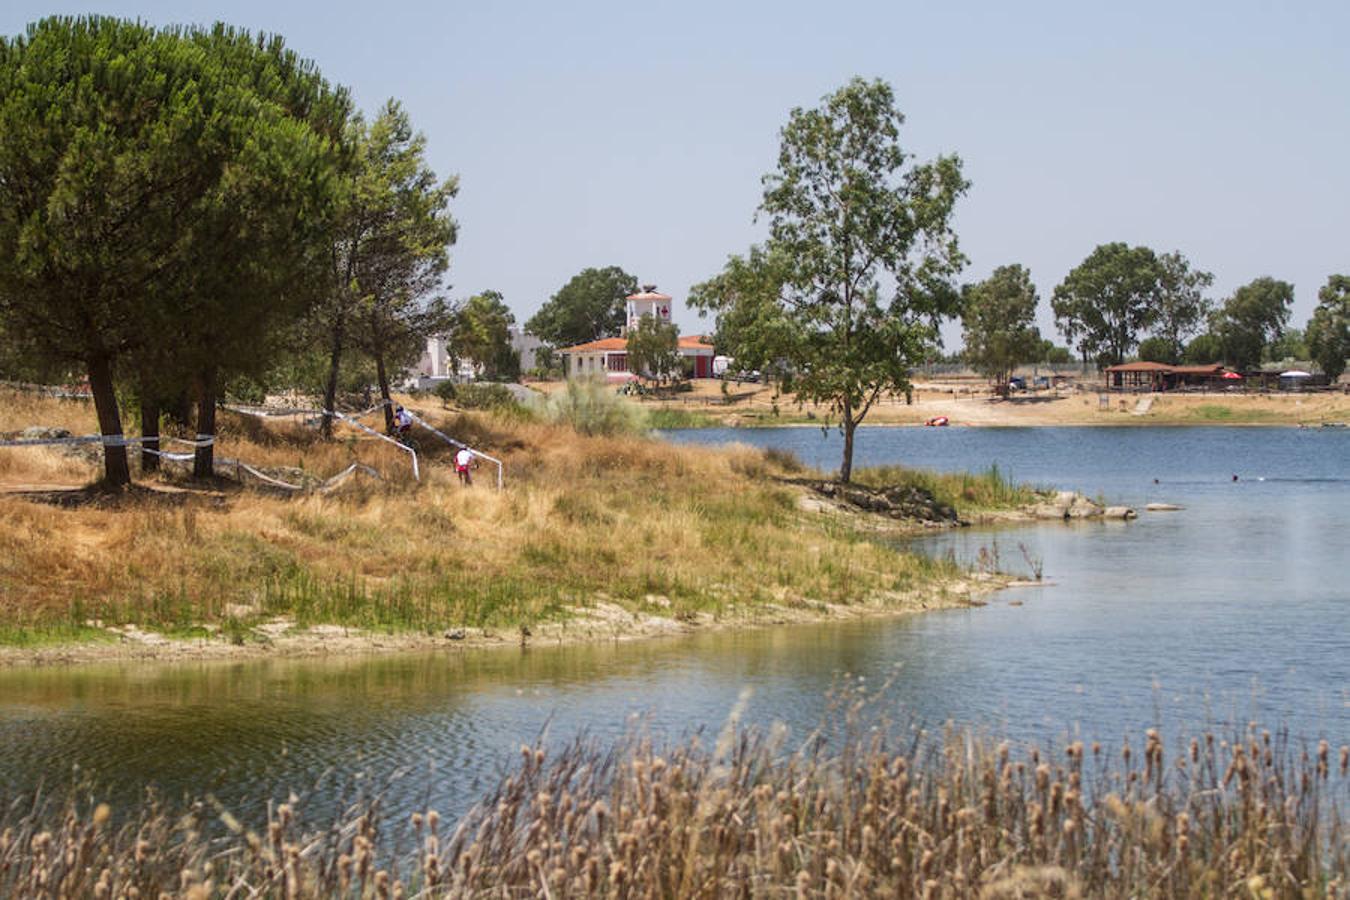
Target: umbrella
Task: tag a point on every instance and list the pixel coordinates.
(1295, 373)
(1231, 376)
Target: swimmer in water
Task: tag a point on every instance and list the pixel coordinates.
(1235, 478)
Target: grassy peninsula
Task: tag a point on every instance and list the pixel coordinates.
(594, 535)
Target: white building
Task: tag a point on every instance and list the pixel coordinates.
(608, 357)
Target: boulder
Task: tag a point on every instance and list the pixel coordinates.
(1067, 505)
(1119, 512)
(1163, 507)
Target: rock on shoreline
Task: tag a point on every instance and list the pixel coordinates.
(1068, 505)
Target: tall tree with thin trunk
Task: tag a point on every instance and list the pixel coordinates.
(389, 249)
(859, 265)
(400, 264)
(1182, 307)
(998, 323)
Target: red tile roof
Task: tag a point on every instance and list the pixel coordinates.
(611, 344)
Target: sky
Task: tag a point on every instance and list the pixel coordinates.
(636, 134)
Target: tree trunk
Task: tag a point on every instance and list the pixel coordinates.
(204, 460)
(330, 387)
(850, 425)
(149, 432)
(116, 472)
(384, 392)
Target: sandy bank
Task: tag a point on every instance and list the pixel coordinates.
(600, 623)
(752, 405)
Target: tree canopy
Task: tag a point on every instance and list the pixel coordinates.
(396, 201)
(1328, 332)
(388, 249)
(998, 323)
(859, 264)
(1252, 318)
(1181, 305)
(481, 334)
(1107, 301)
(589, 307)
(653, 348)
(137, 167)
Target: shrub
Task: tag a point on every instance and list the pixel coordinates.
(590, 407)
(477, 396)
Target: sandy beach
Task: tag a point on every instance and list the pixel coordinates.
(969, 403)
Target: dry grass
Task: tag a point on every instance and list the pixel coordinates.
(628, 520)
(855, 811)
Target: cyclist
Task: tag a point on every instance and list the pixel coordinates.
(464, 462)
(402, 423)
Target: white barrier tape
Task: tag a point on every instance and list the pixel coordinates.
(411, 452)
(449, 440)
(267, 478)
(417, 474)
(164, 454)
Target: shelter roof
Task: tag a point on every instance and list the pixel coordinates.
(1140, 367)
(648, 295)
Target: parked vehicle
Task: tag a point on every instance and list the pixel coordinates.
(1017, 383)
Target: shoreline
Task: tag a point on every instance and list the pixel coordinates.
(603, 622)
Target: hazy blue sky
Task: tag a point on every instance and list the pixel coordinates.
(591, 134)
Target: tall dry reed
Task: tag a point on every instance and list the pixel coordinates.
(854, 811)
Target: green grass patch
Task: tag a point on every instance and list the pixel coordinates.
(50, 634)
(665, 418)
(988, 490)
(1216, 412)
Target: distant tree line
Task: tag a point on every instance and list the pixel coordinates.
(1123, 302)
(186, 211)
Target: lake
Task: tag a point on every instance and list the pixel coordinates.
(1234, 609)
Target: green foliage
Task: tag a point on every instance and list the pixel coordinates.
(589, 307)
(591, 407)
(988, 490)
(848, 214)
(1182, 307)
(1252, 318)
(997, 320)
(1291, 345)
(481, 334)
(1158, 349)
(1203, 349)
(160, 193)
(401, 209)
(1104, 304)
(484, 396)
(1329, 328)
(1052, 355)
(664, 418)
(653, 348)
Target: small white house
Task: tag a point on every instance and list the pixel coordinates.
(608, 357)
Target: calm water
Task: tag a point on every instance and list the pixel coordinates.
(1231, 610)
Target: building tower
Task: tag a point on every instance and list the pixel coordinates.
(647, 303)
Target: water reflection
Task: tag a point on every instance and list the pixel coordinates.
(1230, 610)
